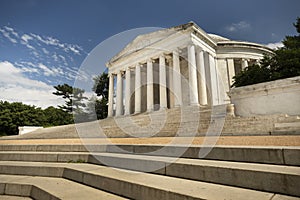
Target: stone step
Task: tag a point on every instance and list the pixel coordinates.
(287, 127)
(45, 188)
(256, 154)
(287, 119)
(10, 197)
(136, 185)
(271, 178)
(264, 177)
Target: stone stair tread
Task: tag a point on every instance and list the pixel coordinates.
(10, 197)
(283, 197)
(269, 168)
(252, 175)
(194, 189)
(210, 163)
(58, 187)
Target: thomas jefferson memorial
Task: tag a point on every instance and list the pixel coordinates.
(178, 66)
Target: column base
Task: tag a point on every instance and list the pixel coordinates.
(150, 110)
(203, 106)
(138, 112)
(163, 108)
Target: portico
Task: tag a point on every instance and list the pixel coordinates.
(180, 66)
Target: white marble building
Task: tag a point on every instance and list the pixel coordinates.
(178, 66)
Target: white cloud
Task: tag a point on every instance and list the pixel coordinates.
(275, 45)
(36, 54)
(55, 57)
(45, 51)
(240, 26)
(54, 71)
(46, 70)
(45, 54)
(26, 38)
(6, 34)
(76, 49)
(15, 86)
(63, 59)
(27, 68)
(12, 31)
(25, 41)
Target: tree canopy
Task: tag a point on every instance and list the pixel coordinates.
(13, 115)
(73, 98)
(100, 87)
(284, 63)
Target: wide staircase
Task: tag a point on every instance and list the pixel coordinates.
(32, 168)
(180, 122)
(149, 172)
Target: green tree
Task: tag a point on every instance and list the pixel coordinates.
(73, 98)
(287, 58)
(100, 87)
(66, 91)
(13, 115)
(284, 63)
(55, 117)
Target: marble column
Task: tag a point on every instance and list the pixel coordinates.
(119, 108)
(213, 80)
(170, 83)
(231, 71)
(192, 75)
(150, 97)
(177, 79)
(138, 89)
(162, 83)
(127, 91)
(202, 78)
(244, 63)
(110, 96)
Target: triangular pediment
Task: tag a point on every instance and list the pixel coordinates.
(143, 41)
(146, 40)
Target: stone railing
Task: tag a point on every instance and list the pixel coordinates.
(275, 97)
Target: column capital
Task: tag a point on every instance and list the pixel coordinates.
(140, 64)
(162, 55)
(121, 71)
(177, 51)
(167, 56)
(150, 60)
(199, 49)
(190, 44)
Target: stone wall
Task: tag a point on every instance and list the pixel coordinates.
(275, 97)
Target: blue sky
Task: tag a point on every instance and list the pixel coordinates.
(44, 42)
